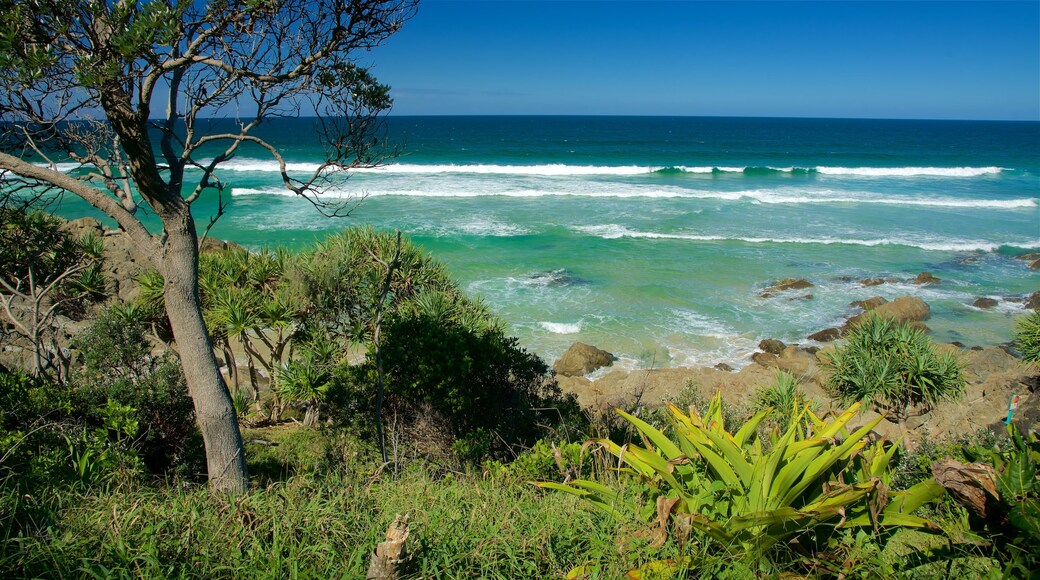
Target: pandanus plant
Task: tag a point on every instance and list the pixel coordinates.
(751, 496)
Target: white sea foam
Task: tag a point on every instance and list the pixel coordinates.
(490, 228)
(564, 170)
(910, 171)
(613, 231)
(779, 196)
(561, 327)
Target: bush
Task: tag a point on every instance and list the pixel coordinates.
(118, 368)
(1027, 337)
(775, 500)
(479, 389)
(893, 367)
(783, 401)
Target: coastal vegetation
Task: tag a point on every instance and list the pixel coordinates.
(102, 469)
(177, 406)
(77, 85)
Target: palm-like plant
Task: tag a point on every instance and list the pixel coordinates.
(307, 378)
(893, 367)
(1027, 337)
(749, 496)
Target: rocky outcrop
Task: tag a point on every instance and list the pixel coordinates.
(868, 304)
(581, 359)
(901, 309)
(785, 285)
(772, 346)
(1033, 302)
(872, 281)
(826, 335)
(984, 303)
(926, 278)
(1032, 258)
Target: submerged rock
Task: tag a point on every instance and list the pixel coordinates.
(984, 303)
(786, 284)
(552, 278)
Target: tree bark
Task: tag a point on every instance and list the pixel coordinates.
(214, 409)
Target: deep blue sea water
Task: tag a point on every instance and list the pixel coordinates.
(652, 237)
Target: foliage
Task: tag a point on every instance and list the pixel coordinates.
(119, 369)
(761, 499)
(893, 367)
(1012, 506)
(478, 383)
(782, 400)
(546, 461)
(44, 273)
(1027, 337)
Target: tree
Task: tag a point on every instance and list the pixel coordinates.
(78, 79)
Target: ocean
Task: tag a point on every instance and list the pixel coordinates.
(653, 237)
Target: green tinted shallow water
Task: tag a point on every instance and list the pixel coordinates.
(653, 237)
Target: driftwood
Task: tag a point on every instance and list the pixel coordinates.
(390, 556)
(972, 485)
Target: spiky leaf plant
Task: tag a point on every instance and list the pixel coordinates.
(757, 499)
(1027, 337)
(893, 367)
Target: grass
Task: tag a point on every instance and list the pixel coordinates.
(317, 511)
(305, 528)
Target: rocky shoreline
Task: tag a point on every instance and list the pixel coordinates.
(993, 373)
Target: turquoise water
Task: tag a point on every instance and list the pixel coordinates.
(653, 237)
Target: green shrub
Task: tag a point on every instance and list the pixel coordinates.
(783, 401)
(478, 388)
(119, 369)
(1027, 337)
(1011, 502)
(893, 367)
(775, 500)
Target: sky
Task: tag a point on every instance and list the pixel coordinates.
(906, 60)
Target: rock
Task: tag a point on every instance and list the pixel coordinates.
(901, 309)
(926, 278)
(1031, 256)
(872, 281)
(581, 359)
(985, 303)
(957, 343)
(766, 359)
(786, 284)
(868, 304)
(1033, 302)
(723, 367)
(798, 362)
(82, 226)
(215, 246)
(772, 346)
(1035, 264)
(826, 335)
(802, 297)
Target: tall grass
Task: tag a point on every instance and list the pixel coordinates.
(310, 528)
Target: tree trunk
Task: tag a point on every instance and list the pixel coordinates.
(214, 409)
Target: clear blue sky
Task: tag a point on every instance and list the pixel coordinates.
(929, 60)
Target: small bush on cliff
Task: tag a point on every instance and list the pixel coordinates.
(1027, 337)
(893, 367)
